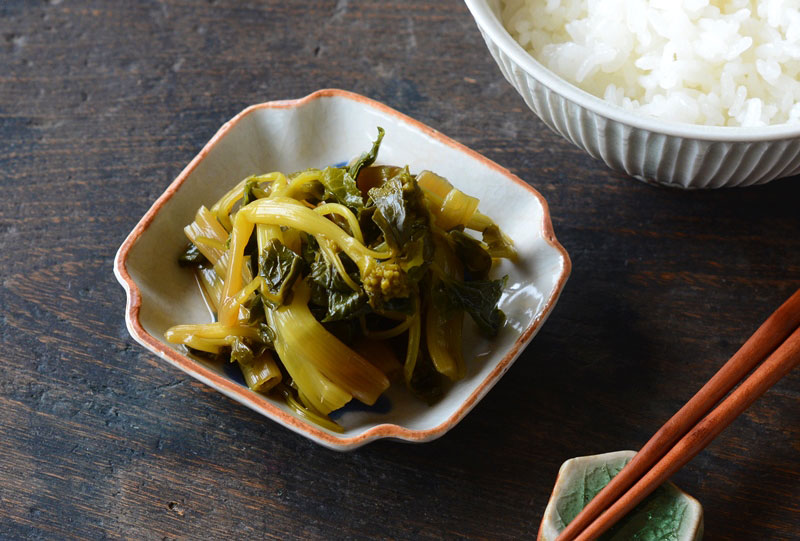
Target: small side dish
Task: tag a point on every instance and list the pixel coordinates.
(294, 135)
(326, 283)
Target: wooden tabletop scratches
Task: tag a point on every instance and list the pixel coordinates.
(102, 104)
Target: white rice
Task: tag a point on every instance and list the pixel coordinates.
(717, 63)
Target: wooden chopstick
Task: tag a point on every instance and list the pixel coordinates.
(610, 504)
(777, 365)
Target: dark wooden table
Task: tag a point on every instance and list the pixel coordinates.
(102, 103)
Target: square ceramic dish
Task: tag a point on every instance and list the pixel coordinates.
(324, 128)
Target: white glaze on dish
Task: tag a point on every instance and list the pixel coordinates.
(297, 134)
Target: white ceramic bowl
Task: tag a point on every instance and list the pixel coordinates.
(683, 155)
(328, 127)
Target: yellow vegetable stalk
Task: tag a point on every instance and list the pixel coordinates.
(262, 373)
(443, 338)
(206, 227)
(434, 184)
(294, 185)
(443, 335)
(347, 214)
(222, 208)
(177, 333)
(408, 255)
(208, 337)
(303, 410)
(324, 395)
(437, 189)
(450, 207)
(278, 211)
(412, 352)
(212, 286)
(457, 209)
(302, 340)
(289, 213)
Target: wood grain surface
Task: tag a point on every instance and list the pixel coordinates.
(102, 103)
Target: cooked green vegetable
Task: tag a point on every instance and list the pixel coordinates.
(298, 267)
(329, 291)
(280, 267)
(340, 187)
(478, 298)
(497, 243)
(192, 256)
(473, 255)
(368, 158)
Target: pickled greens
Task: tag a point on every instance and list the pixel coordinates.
(326, 284)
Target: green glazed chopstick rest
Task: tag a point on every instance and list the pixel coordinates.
(668, 514)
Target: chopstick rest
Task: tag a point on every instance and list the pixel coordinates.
(779, 339)
(668, 512)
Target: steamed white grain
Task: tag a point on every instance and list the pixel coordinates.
(734, 63)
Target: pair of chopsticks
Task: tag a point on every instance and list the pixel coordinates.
(682, 437)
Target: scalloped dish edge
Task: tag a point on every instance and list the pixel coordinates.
(262, 404)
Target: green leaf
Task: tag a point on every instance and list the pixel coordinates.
(399, 305)
(249, 184)
(478, 298)
(499, 245)
(345, 305)
(311, 190)
(426, 383)
(368, 158)
(309, 248)
(240, 352)
(191, 257)
(472, 254)
(252, 190)
(330, 291)
(266, 335)
(393, 217)
(404, 219)
(280, 267)
(375, 175)
(341, 188)
(369, 228)
(257, 308)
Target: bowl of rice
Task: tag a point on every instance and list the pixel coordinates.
(692, 93)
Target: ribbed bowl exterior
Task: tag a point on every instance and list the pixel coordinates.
(647, 155)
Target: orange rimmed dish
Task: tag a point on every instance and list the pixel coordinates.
(293, 135)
